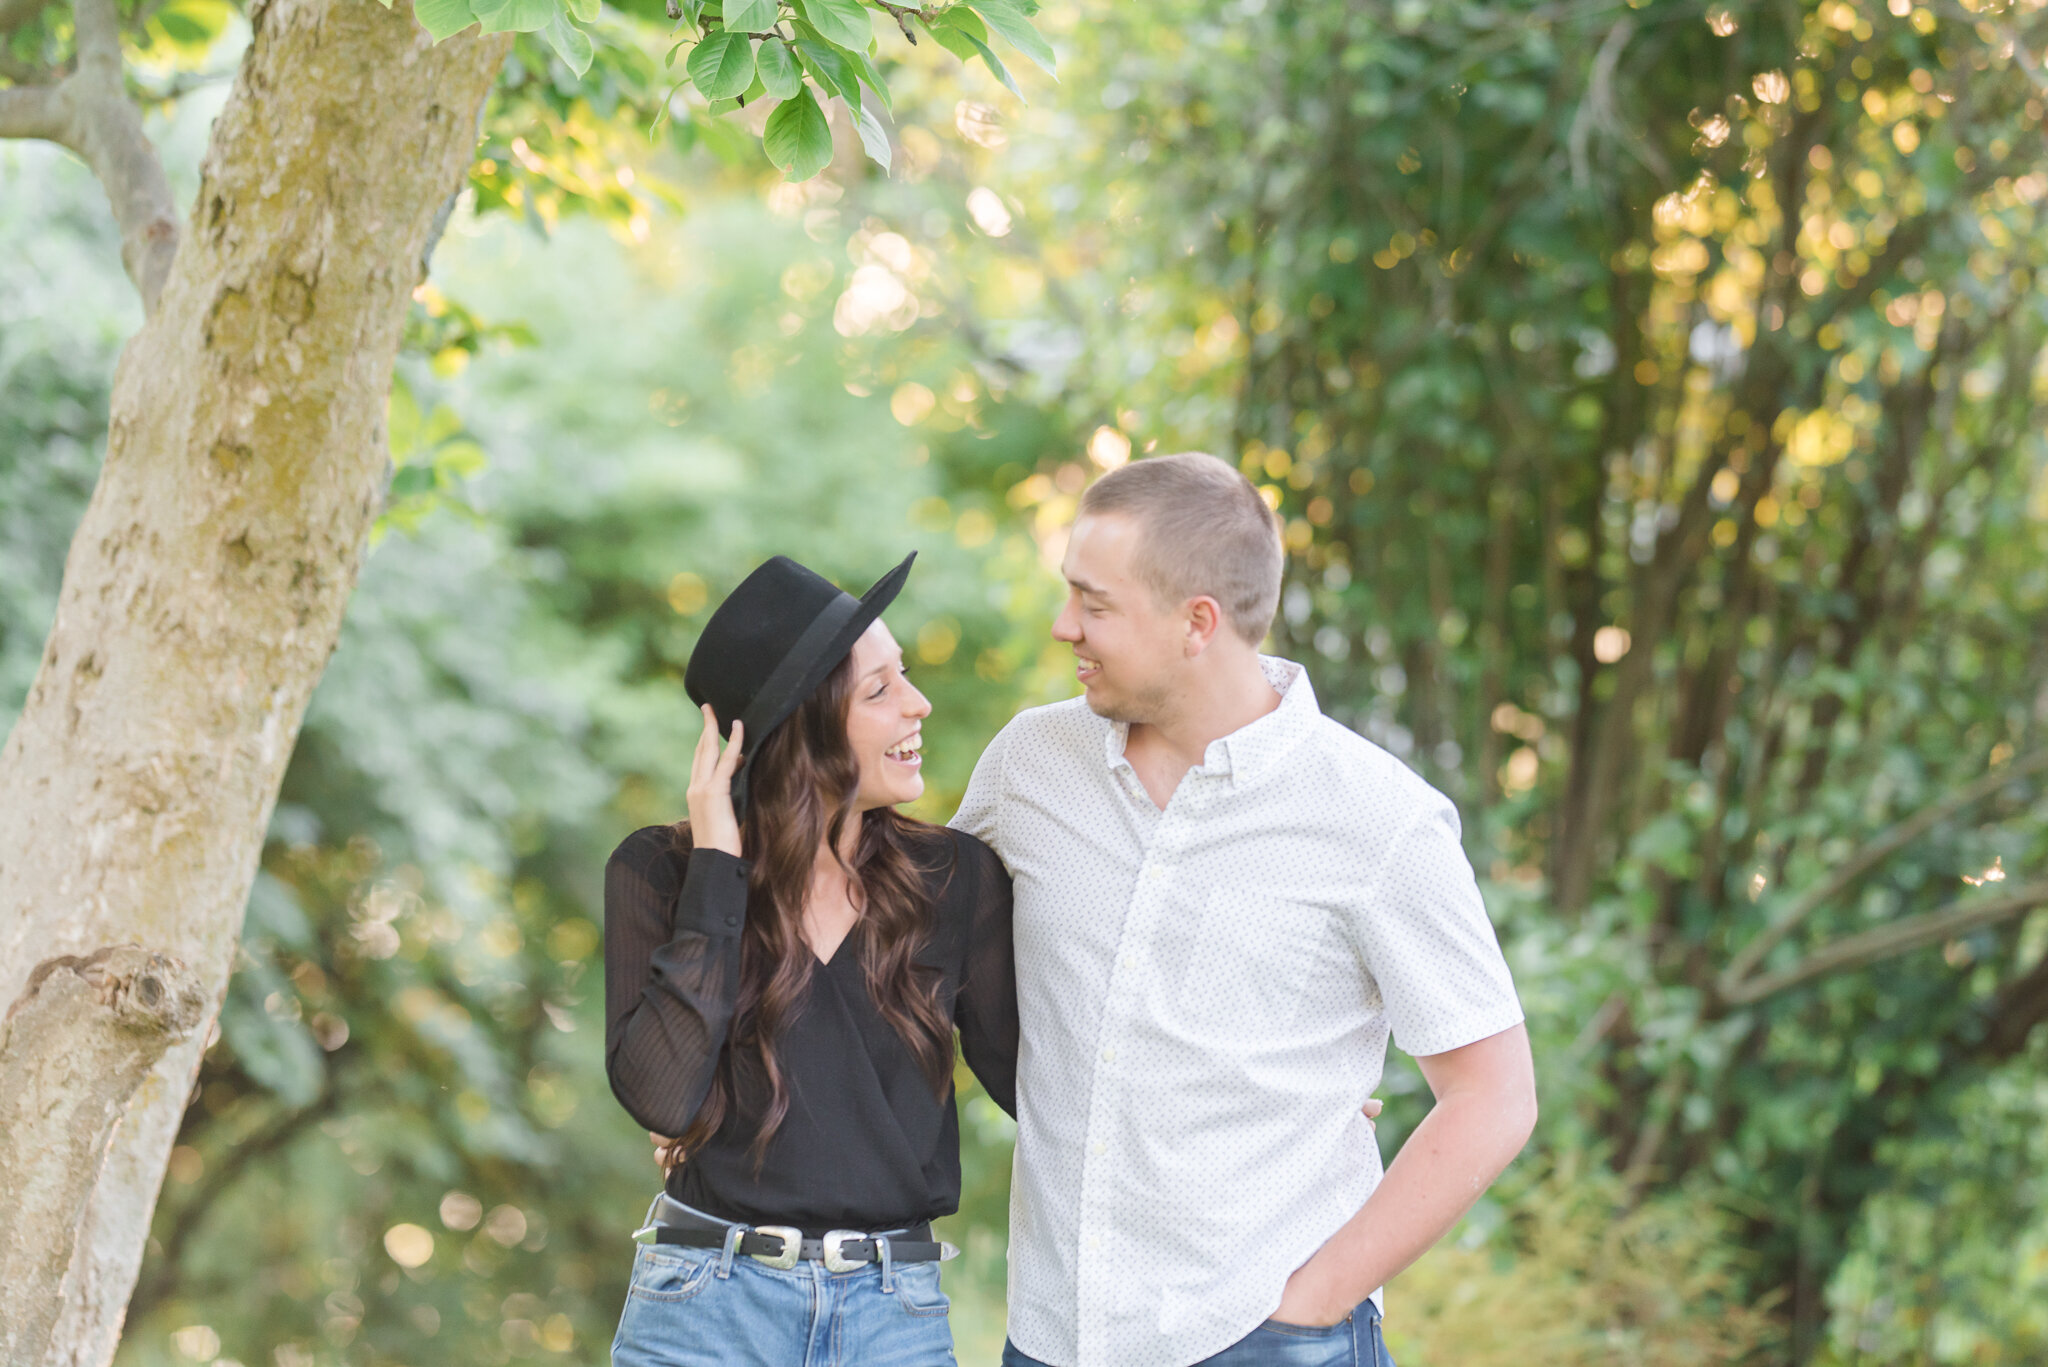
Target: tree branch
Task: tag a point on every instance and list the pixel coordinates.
(2020, 1005)
(89, 112)
(73, 1048)
(34, 111)
(99, 38)
(1855, 951)
(1867, 858)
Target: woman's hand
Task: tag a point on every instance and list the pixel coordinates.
(713, 824)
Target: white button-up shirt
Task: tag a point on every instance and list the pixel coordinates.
(1206, 994)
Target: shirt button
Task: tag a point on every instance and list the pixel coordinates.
(1099, 1147)
(732, 920)
(1128, 960)
(1092, 1242)
(1109, 1054)
(1154, 872)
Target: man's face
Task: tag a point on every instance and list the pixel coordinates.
(1129, 648)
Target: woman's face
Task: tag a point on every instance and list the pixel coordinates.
(884, 723)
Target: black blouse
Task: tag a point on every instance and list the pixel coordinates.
(866, 1144)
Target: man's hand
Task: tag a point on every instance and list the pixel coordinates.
(1485, 1109)
(1304, 1302)
(1310, 1301)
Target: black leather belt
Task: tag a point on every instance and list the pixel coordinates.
(841, 1250)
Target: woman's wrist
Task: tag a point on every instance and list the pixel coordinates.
(713, 900)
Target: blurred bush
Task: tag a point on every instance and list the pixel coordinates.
(1568, 1276)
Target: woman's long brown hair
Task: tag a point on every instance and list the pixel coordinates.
(800, 794)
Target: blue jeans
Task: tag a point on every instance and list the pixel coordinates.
(681, 1312)
(1354, 1343)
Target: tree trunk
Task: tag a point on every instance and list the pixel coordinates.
(205, 587)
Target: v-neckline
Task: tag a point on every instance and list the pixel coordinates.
(827, 962)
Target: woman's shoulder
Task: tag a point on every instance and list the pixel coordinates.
(973, 850)
(958, 865)
(654, 852)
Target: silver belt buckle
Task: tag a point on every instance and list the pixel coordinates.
(792, 1246)
(835, 1261)
(645, 1234)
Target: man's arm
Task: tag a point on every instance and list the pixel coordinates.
(1485, 1109)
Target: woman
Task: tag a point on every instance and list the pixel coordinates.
(783, 975)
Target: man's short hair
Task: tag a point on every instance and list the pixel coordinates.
(1202, 530)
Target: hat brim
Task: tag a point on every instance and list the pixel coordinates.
(769, 713)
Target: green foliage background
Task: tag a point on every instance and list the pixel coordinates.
(1654, 398)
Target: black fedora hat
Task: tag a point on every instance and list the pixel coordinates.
(772, 642)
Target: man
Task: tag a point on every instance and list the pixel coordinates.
(1224, 904)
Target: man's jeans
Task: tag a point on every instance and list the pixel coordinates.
(681, 1312)
(1354, 1343)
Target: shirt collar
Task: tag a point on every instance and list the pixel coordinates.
(1249, 753)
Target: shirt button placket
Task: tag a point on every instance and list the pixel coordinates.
(1101, 1206)
(1092, 1284)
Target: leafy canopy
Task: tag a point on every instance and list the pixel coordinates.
(797, 53)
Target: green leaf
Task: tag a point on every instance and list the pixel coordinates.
(411, 481)
(864, 67)
(797, 138)
(873, 136)
(401, 422)
(443, 17)
(570, 43)
(513, 16)
(722, 66)
(182, 28)
(461, 459)
(966, 20)
(951, 39)
(964, 23)
(829, 67)
(844, 23)
(1007, 19)
(776, 65)
(586, 11)
(750, 16)
(443, 423)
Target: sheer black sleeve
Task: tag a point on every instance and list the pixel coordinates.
(986, 1007)
(672, 923)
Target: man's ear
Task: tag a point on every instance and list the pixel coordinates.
(1204, 619)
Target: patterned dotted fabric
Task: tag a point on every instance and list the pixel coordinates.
(1206, 994)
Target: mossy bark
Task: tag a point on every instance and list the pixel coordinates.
(204, 590)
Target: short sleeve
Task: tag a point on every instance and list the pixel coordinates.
(982, 804)
(1429, 946)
